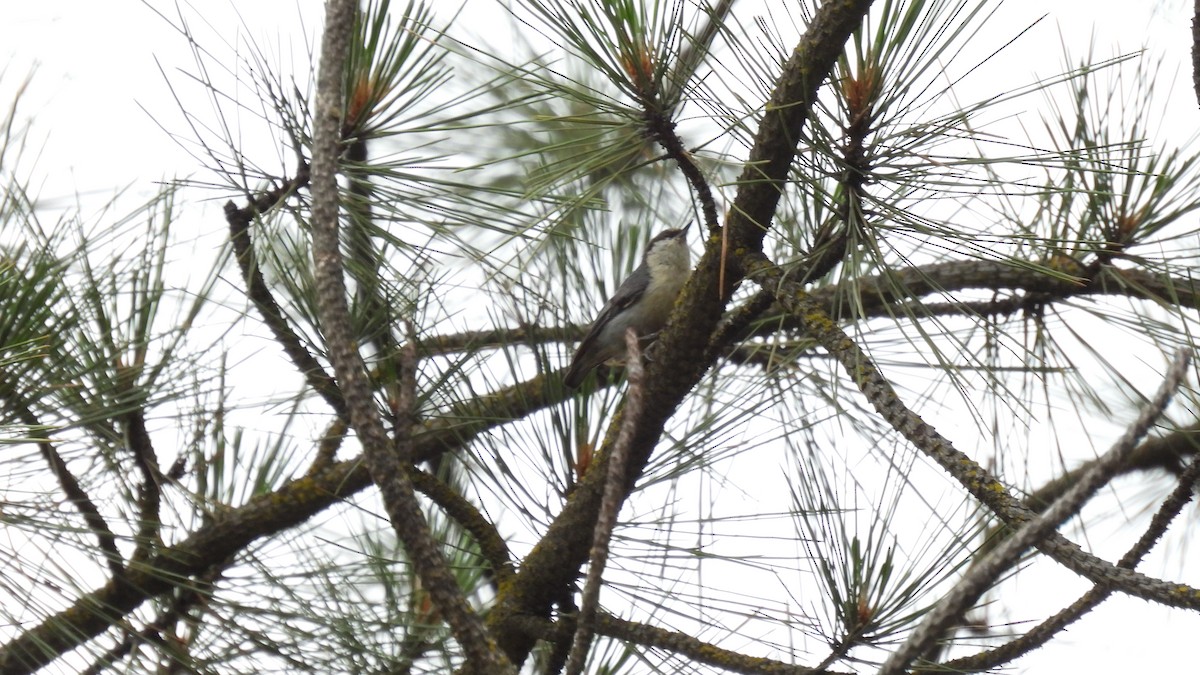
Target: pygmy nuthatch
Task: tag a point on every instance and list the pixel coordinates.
(643, 301)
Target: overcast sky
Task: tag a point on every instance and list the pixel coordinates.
(97, 66)
(97, 89)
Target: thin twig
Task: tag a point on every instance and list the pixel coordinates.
(696, 649)
(259, 292)
(983, 574)
(74, 492)
(78, 497)
(328, 445)
(404, 414)
(1185, 491)
(977, 480)
(1196, 49)
(663, 131)
(610, 505)
(561, 634)
(149, 494)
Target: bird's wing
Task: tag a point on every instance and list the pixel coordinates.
(625, 296)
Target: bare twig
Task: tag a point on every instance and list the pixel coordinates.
(239, 221)
(74, 492)
(610, 505)
(983, 574)
(149, 494)
(1185, 491)
(663, 131)
(977, 480)
(1196, 49)
(79, 499)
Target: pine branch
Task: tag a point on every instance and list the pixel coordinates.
(1184, 492)
(263, 516)
(553, 563)
(394, 485)
(984, 572)
(977, 480)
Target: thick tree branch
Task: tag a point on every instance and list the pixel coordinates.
(328, 445)
(554, 563)
(384, 466)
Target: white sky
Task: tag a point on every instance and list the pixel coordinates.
(94, 64)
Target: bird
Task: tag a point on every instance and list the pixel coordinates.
(643, 301)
